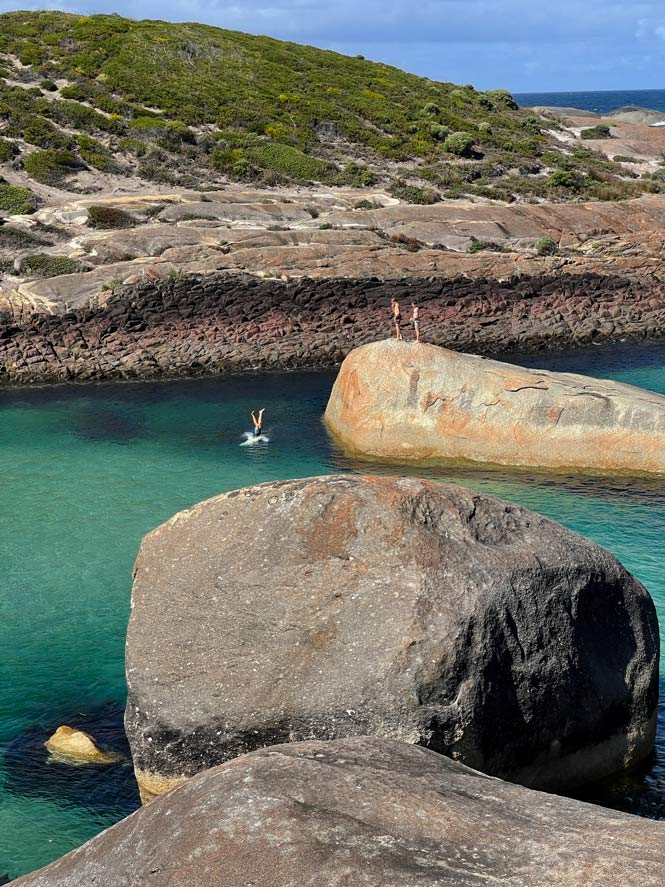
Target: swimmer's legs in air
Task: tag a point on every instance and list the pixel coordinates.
(258, 422)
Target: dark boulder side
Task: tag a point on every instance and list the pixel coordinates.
(366, 812)
(341, 606)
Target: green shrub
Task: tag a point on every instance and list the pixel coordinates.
(477, 246)
(431, 109)
(51, 167)
(545, 246)
(109, 217)
(8, 150)
(290, 162)
(439, 132)
(357, 175)
(413, 194)
(43, 265)
(485, 127)
(601, 131)
(18, 238)
(79, 92)
(48, 86)
(565, 178)
(502, 97)
(94, 153)
(624, 158)
(364, 204)
(32, 54)
(39, 132)
(533, 124)
(459, 143)
(17, 201)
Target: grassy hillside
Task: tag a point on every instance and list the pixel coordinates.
(190, 104)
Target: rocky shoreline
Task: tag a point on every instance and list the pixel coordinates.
(228, 322)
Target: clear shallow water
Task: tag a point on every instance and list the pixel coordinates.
(600, 102)
(86, 471)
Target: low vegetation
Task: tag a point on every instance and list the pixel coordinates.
(189, 105)
(596, 132)
(109, 217)
(546, 246)
(16, 201)
(43, 265)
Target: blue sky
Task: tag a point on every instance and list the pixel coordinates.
(524, 45)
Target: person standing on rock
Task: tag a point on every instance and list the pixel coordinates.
(397, 318)
(258, 422)
(415, 317)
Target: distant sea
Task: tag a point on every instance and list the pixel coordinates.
(600, 102)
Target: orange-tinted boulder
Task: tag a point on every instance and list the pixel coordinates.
(402, 400)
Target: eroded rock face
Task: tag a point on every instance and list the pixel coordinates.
(341, 606)
(367, 812)
(407, 401)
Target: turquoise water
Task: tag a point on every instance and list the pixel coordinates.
(86, 471)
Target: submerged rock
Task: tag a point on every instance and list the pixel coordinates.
(402, 400)
(74, 746)
(368, 812)
(340, 606)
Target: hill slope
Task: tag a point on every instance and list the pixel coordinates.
(83, 99)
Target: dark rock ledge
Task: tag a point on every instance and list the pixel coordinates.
(221, 323)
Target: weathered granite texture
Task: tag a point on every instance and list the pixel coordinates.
(342, 605)
(411, 401)
(368, 812)
(229, 323)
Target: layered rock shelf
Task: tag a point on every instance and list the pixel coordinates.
(440, 404)
(216, 323)
(341, 606)
(368, 812)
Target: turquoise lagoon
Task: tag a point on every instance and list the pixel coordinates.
(88, 470)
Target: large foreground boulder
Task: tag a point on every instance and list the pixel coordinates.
(365, 812)
(411, 401)
(340, 606)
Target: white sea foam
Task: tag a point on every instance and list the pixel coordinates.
(252, 439)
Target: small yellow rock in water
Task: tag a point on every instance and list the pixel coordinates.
(75, 746)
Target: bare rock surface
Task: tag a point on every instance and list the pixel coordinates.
(76, 747)
(368, 812)
(339, 606)
(250, 213)
(403, 400)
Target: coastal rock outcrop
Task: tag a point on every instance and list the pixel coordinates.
(76, 747)
(339, 606)
(368, 812)
(407, 401)
(219, 323)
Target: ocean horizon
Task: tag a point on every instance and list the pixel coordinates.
(600, 101)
